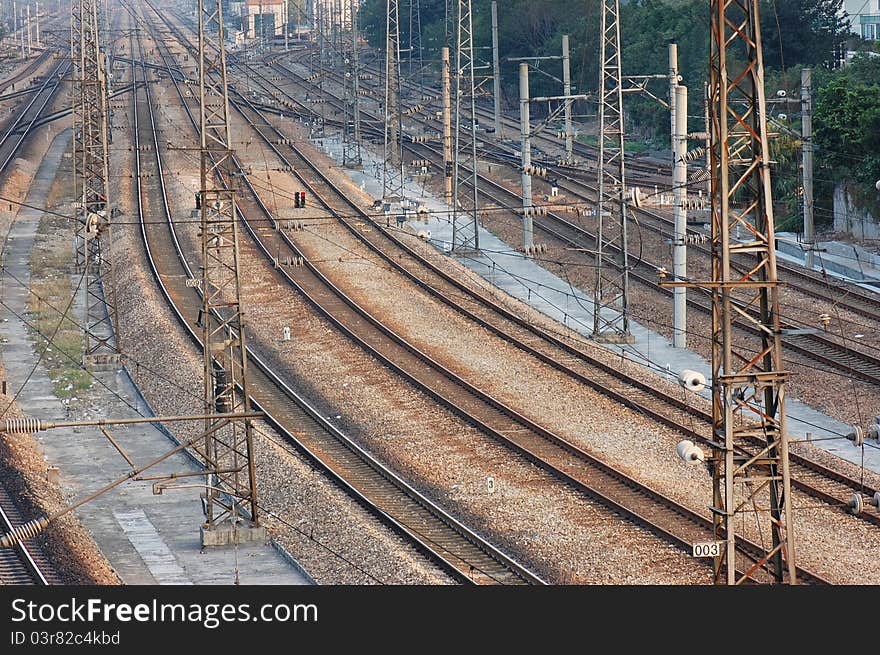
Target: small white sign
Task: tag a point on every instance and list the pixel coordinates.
(708, 548)
(490, 484)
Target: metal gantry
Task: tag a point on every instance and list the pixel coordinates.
(415, 42)
(611, 310)
(351, 131)
(228, 448)
(92, 186)
(392, 166)
(750, 487)
(465, 226)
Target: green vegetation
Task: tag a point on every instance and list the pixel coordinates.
(50, 295)
(795, 34)
(847, 126)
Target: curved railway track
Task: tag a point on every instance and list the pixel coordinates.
(27, 563)
(16, 133)
(824, 483)
(824, 351)
(813, 478)
(434, 532)
(27, 71)
(564, 460)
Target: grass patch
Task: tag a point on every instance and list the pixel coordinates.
(636, 147)
(50, 294)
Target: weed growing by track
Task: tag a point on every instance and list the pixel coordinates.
(50, 291)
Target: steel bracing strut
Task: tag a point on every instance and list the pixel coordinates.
(228, 451)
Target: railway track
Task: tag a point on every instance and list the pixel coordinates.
(434, 532)
(17, 131)
(560, 458)
(569, 358)
(28, 70)
(826, 351)
(27, 563)
(812, 477)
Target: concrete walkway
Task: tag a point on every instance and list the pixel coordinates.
(148, 539)
(522, 278)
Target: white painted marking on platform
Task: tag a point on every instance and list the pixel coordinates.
(153, 550)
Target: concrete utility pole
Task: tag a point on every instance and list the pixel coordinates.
(39, 42)
(29, 43)
(447, 127)
(322, 61)
(678, 132)
(611, 309)
(748, 389)
(679, 213)
(526, 146)
(21, 37)
(526, 132)
(496, 72)
(807, 154)
(566, 91)
(231, 482)
(465, 227)
(92, 183)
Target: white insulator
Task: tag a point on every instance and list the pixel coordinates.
(856, 504)
(690, 452)
(875, 500)
(692, 380)
(24, 532)
(857, 436)
(874, 432)
(22, 425)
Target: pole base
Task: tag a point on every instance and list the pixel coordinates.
(225, 535)
(102, 362)
(610, 336)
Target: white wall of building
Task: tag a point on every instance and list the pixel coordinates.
(253, 8)
(854, 8)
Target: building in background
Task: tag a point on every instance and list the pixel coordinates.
(263, 18)
(864, 18)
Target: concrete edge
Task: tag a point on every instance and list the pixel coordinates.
(292, 561)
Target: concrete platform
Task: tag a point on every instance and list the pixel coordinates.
(842, 260)
(499, 263)
(148, 539)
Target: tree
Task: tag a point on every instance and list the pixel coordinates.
(847, 131)
(802, 32)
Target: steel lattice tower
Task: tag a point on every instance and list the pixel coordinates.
(392, 167)
(748, 388)
(92, 188)
(351, 132)
(415, 41)
(465, 231)
(228, 449)
(611, 311)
